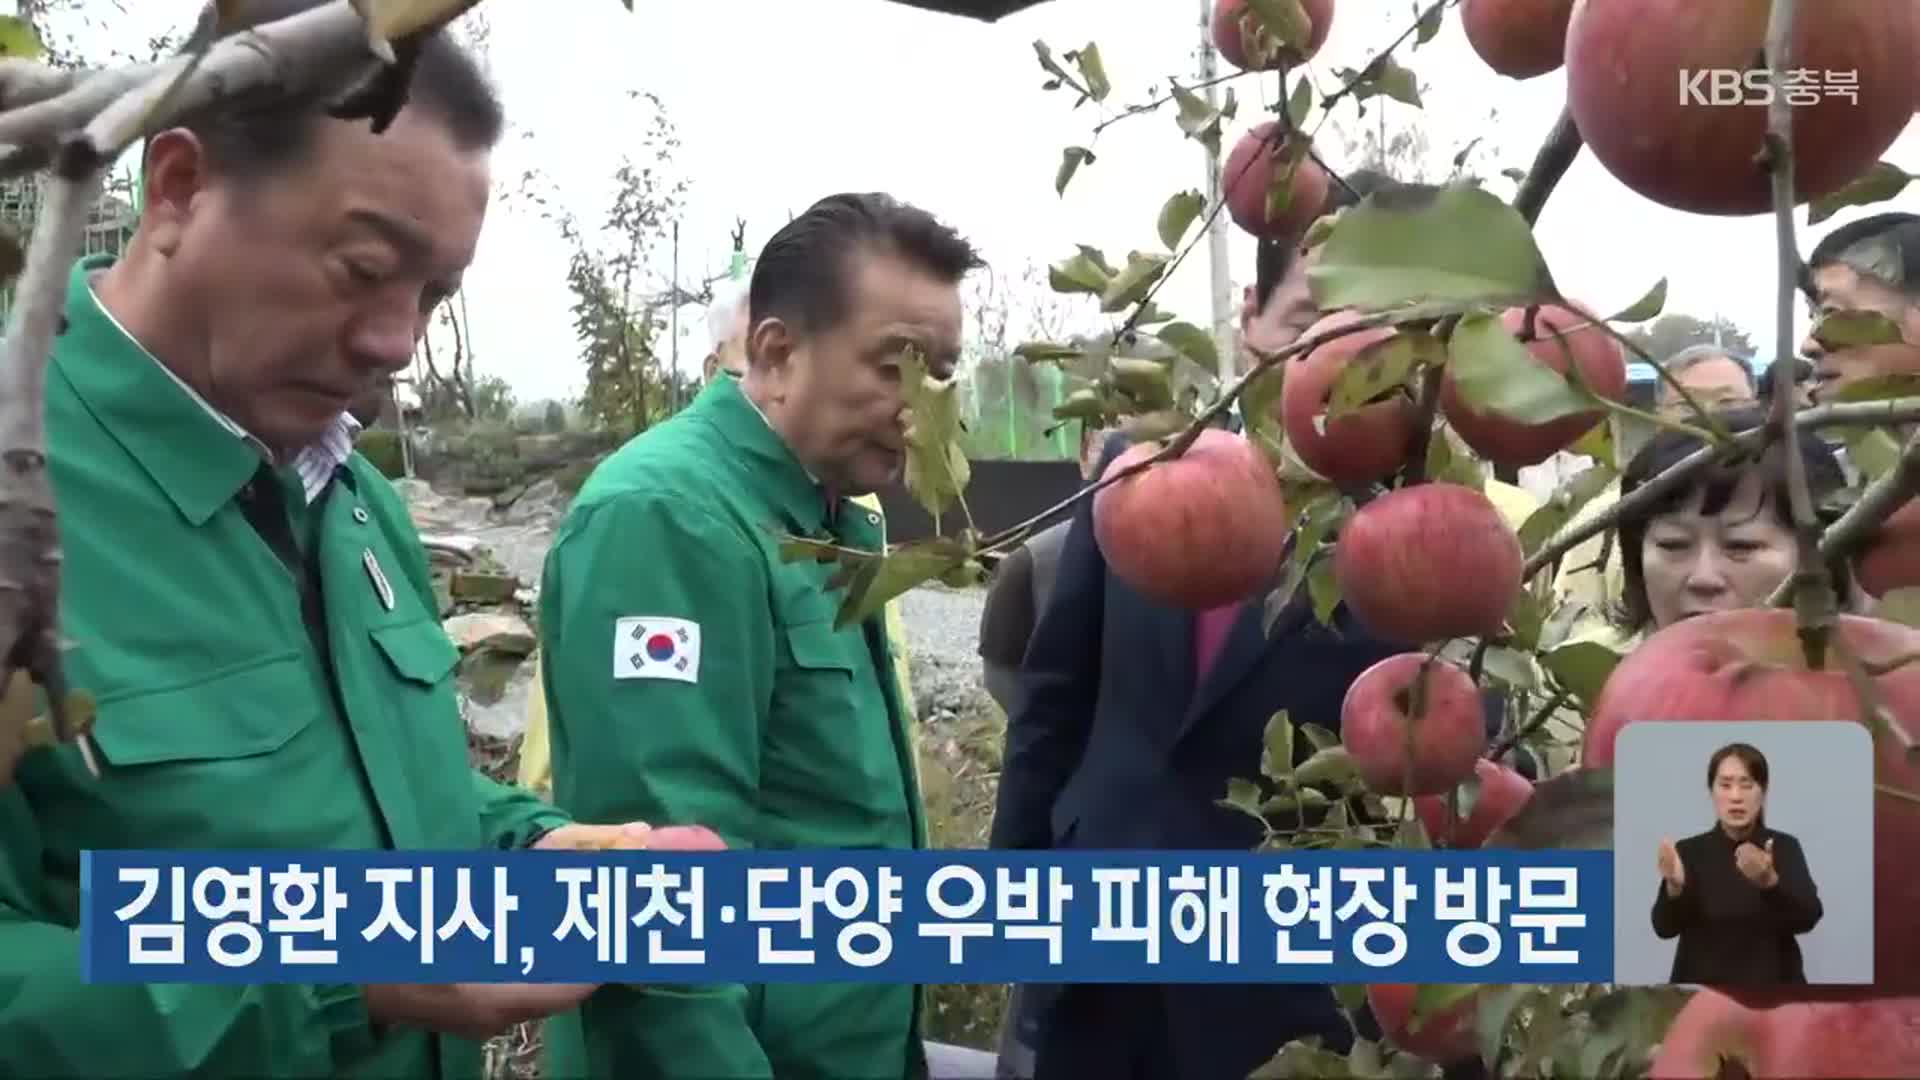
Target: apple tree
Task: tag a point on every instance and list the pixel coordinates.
(1451, 354)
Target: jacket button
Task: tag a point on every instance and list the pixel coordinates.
(360, 514)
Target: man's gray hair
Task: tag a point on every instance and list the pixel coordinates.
(1695, 355)
(728, 301)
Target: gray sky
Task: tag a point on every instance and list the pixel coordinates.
(779, 102)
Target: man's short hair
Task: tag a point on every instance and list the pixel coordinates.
(248, 138)
(1273, 258)
(728, 302)
(802, 277)
(1884, 247)
(1694, 355)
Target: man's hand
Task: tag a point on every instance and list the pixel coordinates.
(476, 1011)
(1671, 868)
(633, 836)
(1756, 863)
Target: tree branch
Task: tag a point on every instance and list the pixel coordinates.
(1893, 411)
(1550, 164)
(1814, 602)
(1367, 71)
(1876, 504)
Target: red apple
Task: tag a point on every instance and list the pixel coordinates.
(1250, 172)
(1892, 560)
(1356, 448)
(1400, 752)
(1561, 336)
(1502, 794)
(1205, 529)
(1429, 562)
(1747, 665)
(1629, 66)
(1803, 1041)
(1445, 1037)
(1518, 38)
(1241, 39)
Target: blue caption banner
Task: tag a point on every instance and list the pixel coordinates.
(847, 916)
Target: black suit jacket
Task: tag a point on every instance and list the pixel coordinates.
(1112, 746)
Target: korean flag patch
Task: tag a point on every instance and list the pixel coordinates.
(656, 647)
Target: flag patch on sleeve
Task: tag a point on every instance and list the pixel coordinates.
(656, 647)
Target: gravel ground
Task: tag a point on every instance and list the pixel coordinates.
(943, 641)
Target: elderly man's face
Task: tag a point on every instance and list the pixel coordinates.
(1718, 382)
(1841, 288)
(309, 287)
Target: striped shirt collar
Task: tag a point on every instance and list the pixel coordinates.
(316, 463)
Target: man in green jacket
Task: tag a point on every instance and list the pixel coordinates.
(693, 676)
(247, 599)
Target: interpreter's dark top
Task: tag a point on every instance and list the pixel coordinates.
(1731, 931)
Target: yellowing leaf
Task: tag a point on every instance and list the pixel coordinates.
(19, 40)
(937, 466)
(1178, 215)
(1133, 283)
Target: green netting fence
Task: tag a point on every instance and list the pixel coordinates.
(1009, 412)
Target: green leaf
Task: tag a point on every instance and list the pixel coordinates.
(1332, 766)
(1509, 666)
(1899, 605)
(1562, 506)
(1874, 451)
(1092, 71)
(1411, 835)
(1378, 369)
(1582, 667)
(1079, 274)
(1850, 329)
(1070, 161)
(1495, 1015)
(1460, 245)
(1154, 426)
(1597, 444)
(1082, 404)
(1878, 184)
(1048, 352)
(1647, 306)
(1449, 461)
(1052, 66)
(1570, 811)
(1518, 176)
(1494, 373)
(1132, 284)
(1286, 20)
(1276, 757)
(1199, 120)
(1350, 996)
(871, 579)
(1300, 103)
(1428, 26)
(1148, 383)
(1177, 216)
(1324, 588)
(1244, 796)
(1193, 343)
(1312, 522)
(1397, 82)
(19, 40)
(1319, 737)
(937, 468)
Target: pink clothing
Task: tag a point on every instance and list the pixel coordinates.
(1210, 630)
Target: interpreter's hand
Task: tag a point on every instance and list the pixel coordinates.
(633, 836)
(1756, 863)
(476, 1011)
(1671, 868)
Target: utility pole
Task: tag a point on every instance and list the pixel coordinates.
(1222, 281)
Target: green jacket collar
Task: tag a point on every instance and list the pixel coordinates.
(774, 473)
(190, 455)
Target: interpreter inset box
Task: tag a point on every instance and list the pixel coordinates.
(1743, 854)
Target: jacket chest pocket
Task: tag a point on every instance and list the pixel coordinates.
(425, 704)
(219, 761)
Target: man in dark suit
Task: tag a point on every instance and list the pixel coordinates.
(1131, 720)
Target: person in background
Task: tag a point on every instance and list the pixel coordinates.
(790, 732)
(1873, 265)
(1739, 895)
(1725, 539)
(1715, 377)
(1131, 719)
(199, 419)
(727, 322)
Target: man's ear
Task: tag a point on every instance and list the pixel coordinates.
(771, 344)
(176, 173)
